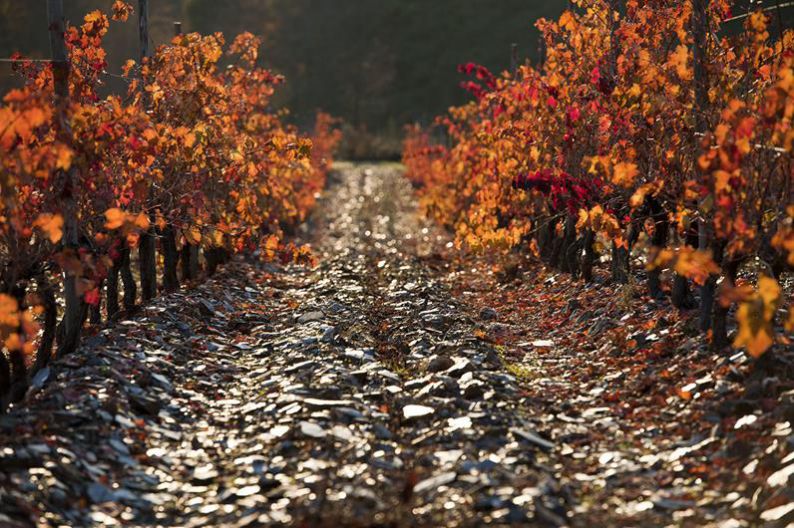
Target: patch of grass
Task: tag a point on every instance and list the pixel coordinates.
(523, 372)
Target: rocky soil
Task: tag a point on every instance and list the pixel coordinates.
(357, 393)
(395, 385)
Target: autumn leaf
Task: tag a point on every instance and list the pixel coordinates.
(121, 11)
(217, 238)
(142, 221)
(624, 174)
(534, 248)
(129, 64)
(271, 246)
(695, 264)
(9, 311)
(755, 318)
(51, 225)
(64, 157)
(722, 181)
(733, 294)
(679, 59)
(13, 342)
(115, 218)
(133, 239)
(92, 297)
(567, 21)
(160, 221)
(193, 235)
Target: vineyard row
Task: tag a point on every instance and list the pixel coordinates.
(649, 132)
(190, 166)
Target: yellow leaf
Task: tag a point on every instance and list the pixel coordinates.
(217, 238)
(272, 244)
(584, 219)
(755, 317)
(753, 334)
(533, 247)
(769, 291)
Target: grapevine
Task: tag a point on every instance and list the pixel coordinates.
(646, 133)
(192, 160)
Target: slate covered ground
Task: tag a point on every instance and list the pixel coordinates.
(353, 394)
(391, 386)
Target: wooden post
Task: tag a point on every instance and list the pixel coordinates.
(621, 256)
(143, 27)
(699, 33)
(614, 45)
(680, 294)
(779, 21)
(699, 28)
(72, 320)
(60, 62)
(191, 266)
(147, 256)
(190, 252)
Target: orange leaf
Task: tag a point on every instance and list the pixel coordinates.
(695, 264)
(51, 225)
(679, 59)
(115, 218)
(121, 10)
(142, 221)
(64, 160)
(624, 174)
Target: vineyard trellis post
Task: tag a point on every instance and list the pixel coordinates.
(72, 322)
(190, 252)
(699, 108)
(147, 258)
(168, 237)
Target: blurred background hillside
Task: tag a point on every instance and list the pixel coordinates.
(378, 64)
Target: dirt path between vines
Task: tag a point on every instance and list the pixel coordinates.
(357, 393)
(393, 386)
